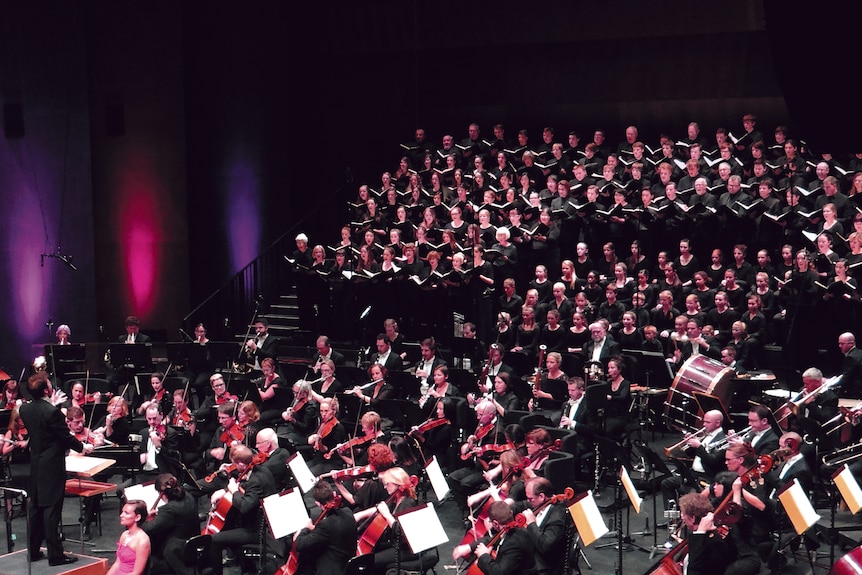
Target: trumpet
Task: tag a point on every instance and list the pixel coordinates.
(718, 445)
(681, 445)
(839, 457)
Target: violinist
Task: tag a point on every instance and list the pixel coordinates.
(78, 428)
(300, 419)
(79, 398)
(274, 457)
(159, 446)
(11, 397)
(435, 435)
(247, 418)
(182, 420)
(512, 553)
(355, 451)
(755, 527)
(546, 522)
(361, 488)
(329, 543)
(271, 405)
(115, 426)
(538, 450)
(14, 450)
(159, 395)
(402, 496)
(244, 494)
(329, 434)
(207, 413)
(467, 479)
(226, 436)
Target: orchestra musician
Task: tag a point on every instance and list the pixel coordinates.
(300, 419)
(326, 546)
(13, 450)
(467, 479)
(762, 437)
(247, 417)
(266, 443)
(226, 436)
(326, 385)
(159, 395)
(360, 488)
(708, 460)
(385, 356)
(355, 451)
(263, 345)
(271, 405)
(114, 427)
(63, 334)
(503, 398)
(429, 362)
(159, 446)
(440, 388)
(515, 551)
(182, 420)
(434, 436)
(170, 524)
(329, 434)
(381, 390)
(401, 496)
(547, 527)
(244, 493)
(207, 414)
(11, 397)
(708, 553)
(77, 427)
(324, 352)
(543, 401)
(78, 396)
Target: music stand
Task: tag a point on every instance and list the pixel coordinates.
(463, 347)
(653, 463)
(402, 413)
(405, 384)
(464, 380)
(244, 389)
(707, 402)
(136, 356)
(222, 352)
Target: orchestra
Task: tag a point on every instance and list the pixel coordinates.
(494, 426)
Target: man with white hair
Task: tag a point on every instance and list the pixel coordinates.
(600, 347)
(851, 367)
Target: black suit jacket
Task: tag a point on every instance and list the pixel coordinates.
(851, 369)
(267, 349)
(259, 484)
(167, 459)
(610, 349)
(175, 520)
(515, 555)
(767, 444)
(393, 362)
(550, 538)
(337, 358)
(140, 338)
(277, 465)
(49, 440)
(332, 542)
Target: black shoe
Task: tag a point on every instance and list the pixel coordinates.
(66, 559)
(37, 556)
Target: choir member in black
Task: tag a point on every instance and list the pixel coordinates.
(578, 334)
(553, 335)
(619, 399)
(481, 283)
(612, 308)
(734, 291)
(721, 317)
(560, 302)
(245, 493)
(516, 550)
(329, 434)
(800, 292)
(170, 524)
(327, 546)
(300, 419)
(527, 333)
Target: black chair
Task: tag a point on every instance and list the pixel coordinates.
(360, 564)
(196, 550)
(559, 469)
(533, 420)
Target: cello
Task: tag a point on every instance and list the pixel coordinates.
(292, 563)
(378, 525)
(518, 523)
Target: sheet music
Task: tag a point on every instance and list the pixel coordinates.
(146, 492)
(285, 513)
(422, 528)
(438, 480)
(86, 465)
(634, 497)
(798, 507)
(849, 488)
(303, 475)
(588, 519)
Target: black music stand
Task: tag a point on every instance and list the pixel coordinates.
(405, 384)
(653, 464)
(244, 389)
(136, 356)
(402, 413)
(464, 380)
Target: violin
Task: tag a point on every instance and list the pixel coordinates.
(325, 429)
(354, 472)
(556, 445)
(427, 426)
(231, 434)
(355, 442)
(224, 398)
(182, 419)
(482, 450)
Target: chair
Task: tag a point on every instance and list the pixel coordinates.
(196, 551)
(559, 469)
(534, 420)
(426, 562)
(360, 564)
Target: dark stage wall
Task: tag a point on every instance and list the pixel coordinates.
(171, 143)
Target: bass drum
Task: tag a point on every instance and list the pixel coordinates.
(698, 374)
